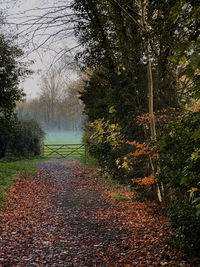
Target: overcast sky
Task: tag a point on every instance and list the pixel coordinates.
(17, 11)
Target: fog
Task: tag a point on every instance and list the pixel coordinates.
(63, 137)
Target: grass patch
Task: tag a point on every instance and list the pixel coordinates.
(91, 162)
(113, 191)
(33, 159)
(120, 198)
(9, 171)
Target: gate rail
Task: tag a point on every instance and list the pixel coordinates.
(63, 150)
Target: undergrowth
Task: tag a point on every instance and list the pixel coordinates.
(113, 191)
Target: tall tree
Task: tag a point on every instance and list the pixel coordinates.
(11, 72)
(52, 91)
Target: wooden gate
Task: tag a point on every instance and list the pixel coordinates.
(63, 150)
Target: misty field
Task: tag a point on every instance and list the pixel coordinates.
(67, 137)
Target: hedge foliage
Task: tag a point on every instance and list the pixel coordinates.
(179, 164)
(20, 138)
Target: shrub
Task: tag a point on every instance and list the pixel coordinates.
(121, 159)
(7, 129)
(20, 138)
(179, 160)
(102, 140)
(27, 138)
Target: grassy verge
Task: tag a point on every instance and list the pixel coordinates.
(23, 159)
(9, 171)
(113, 191)
(91, 162)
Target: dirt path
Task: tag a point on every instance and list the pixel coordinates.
(59, 217)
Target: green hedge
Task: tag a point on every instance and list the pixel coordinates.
(20, 138)
(178, 148)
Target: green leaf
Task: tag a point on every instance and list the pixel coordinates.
(190, 71)
(182, 60)
(112, 110)
(185, 181)
(195, 155)
(196, 134)
(176, 19)
(195, 60)
(198, 206)
(196, 200)
(172, 58)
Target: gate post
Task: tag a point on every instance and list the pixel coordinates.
(42, 148)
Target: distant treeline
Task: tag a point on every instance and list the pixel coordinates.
(63, 115)
(58, 106)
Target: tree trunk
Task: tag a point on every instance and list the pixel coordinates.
(149, 74)
(150, 89)
(150, 94)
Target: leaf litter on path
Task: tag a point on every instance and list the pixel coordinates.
(59, 217)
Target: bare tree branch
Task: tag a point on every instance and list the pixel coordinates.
(47, 29)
